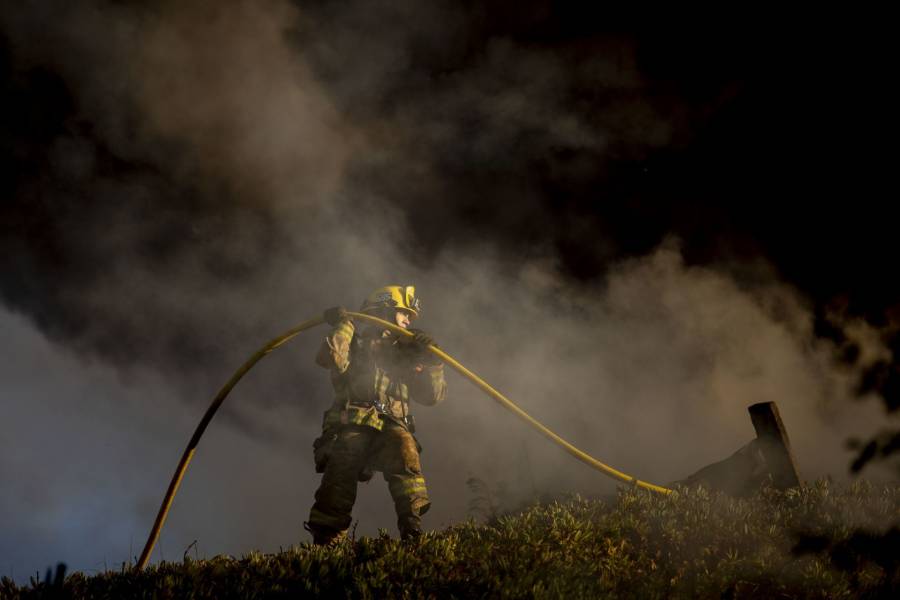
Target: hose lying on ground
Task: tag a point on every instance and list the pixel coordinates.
(290, 334)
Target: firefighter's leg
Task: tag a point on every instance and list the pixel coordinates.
(329, 517)
(403, 473)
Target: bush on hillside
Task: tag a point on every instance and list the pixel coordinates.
(818, 541)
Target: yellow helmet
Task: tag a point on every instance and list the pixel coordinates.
(393, 296)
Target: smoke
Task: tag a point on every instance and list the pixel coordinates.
(190, 180)
(652, 372)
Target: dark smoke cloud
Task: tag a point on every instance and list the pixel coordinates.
(611, 225)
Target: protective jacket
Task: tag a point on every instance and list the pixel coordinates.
(375, 375)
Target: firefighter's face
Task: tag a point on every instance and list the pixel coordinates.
(402, 319)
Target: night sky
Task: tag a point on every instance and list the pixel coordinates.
(182, 182)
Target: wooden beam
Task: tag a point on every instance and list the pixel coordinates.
(773, 442)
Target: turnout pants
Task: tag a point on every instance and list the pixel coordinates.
(394, 452)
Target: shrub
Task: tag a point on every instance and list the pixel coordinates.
(818, 541)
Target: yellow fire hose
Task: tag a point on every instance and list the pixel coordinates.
(286, 337)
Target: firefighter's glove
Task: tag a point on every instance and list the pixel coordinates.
(423, 340)
(417, 344)
(418, 341)
(335, 315)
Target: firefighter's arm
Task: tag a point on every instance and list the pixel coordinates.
(427, 384)
(425, 375)
(334, 353)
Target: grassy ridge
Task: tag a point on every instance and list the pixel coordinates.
(803, 543)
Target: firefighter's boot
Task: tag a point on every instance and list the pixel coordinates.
(410, 527)
(324, 536)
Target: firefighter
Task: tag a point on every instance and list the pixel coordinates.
(375, 374)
